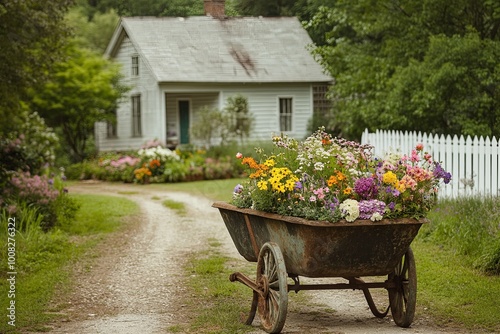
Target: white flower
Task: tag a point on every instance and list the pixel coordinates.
(319, 165)
(376, 217)
(349, 209)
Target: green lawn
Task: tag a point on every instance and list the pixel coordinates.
(453, 292)
(44, 260)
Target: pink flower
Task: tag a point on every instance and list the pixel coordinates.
(239, 155)
(419, 147)
(414, 156)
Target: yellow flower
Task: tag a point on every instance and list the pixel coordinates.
(347, 191)
(262, 185)
(269, 163)
(390, 178)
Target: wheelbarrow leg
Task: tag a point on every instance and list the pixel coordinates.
(253, 309)
(242, 278)
(369, 299)
(372, 305)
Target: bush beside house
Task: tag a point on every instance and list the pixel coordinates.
(154, 163)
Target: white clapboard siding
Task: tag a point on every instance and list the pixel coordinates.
(473, 162)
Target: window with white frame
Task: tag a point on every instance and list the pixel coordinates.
(135, 66)
(286, 114)
(136, 116)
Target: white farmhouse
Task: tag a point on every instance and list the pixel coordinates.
(176, 66)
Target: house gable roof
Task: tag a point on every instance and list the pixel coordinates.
(206, 49)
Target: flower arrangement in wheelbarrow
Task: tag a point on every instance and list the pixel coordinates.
(328, 178)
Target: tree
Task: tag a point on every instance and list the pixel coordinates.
(239, 119)
(234, 121)
(153, 7)
(210, 124)
(374, 47)
(92, 30)
(453, 90)
(32, 33)
(85, 89)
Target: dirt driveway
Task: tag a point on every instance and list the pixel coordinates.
(134, 287)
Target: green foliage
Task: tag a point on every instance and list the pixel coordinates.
(179, 8)
(31, 40)
(44, 259)
(451, 292)
(239, 117)
(452, 90)
(210, 124)
(408, 65)
(47, 196)
(235, 121)
(84, 89)
(469, 226)
(28, 148)
(93, 31)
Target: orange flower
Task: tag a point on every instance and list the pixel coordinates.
(332, 180)
(154, 163)
(250, 162)
(340, 176)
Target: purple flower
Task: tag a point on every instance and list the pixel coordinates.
(238, 189)
(368, 207)
(332, 205)
(366, 188)
(298, 185)
(440, 173)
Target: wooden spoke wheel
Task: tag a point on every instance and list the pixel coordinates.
(403, 297)
(272, 281)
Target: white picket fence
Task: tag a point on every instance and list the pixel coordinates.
(473, 163)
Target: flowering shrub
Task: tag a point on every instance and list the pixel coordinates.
(120, 169)
(46, 194)
(326, 178)
(153, 161)
(31, 147)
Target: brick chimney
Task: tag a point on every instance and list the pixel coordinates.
(214, 8)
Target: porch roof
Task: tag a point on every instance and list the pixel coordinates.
(206, 49)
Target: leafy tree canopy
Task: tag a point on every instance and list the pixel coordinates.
(92, 31)
(428, 65)
(31, 35)
(152, 7)
(85, 89)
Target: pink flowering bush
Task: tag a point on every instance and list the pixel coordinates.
(326, 178)
(45, 194)
(119, 168)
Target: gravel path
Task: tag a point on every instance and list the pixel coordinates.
(134, 287)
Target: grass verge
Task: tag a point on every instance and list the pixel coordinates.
(178, 207)
(453, 293)
(44, 260)
(215, 303)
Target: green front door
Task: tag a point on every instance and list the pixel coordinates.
(184, 121)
